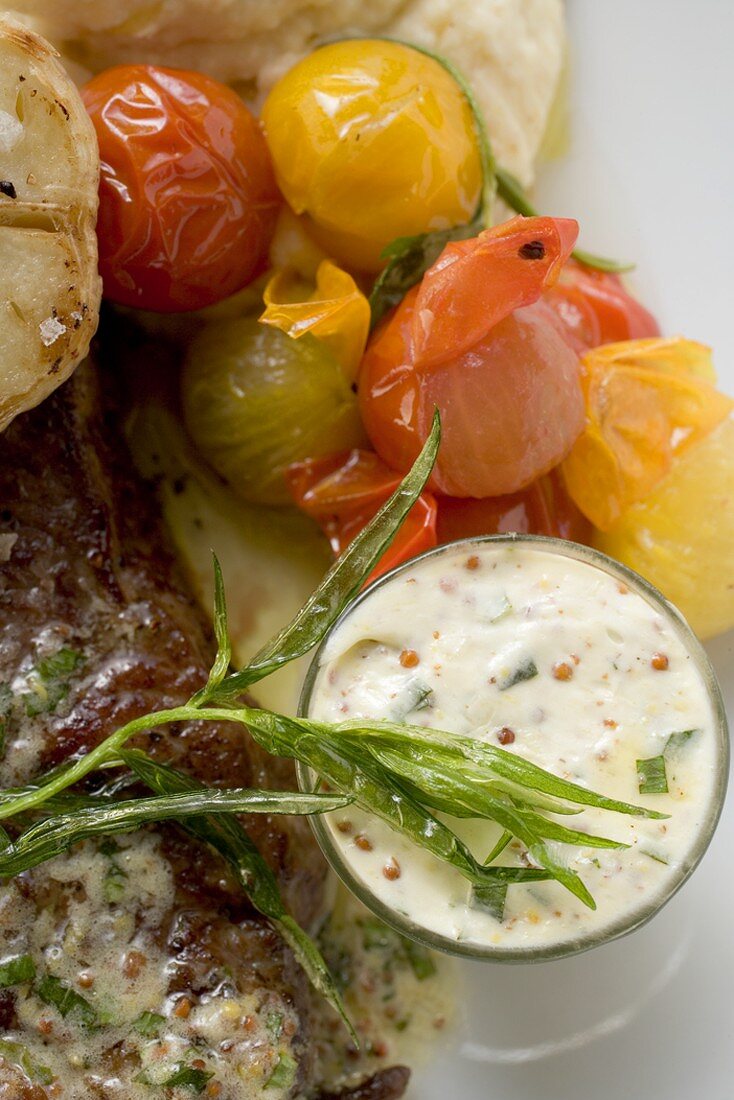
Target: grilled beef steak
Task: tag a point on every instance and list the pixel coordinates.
(151, 968)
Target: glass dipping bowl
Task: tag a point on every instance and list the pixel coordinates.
(627, 922)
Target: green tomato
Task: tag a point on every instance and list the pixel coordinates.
(256, 400)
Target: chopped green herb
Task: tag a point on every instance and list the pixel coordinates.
(283, 1074)
(420, 959)
(17, 970)
(491, 899)
(274, 1025)
(60, 664)
(654, 855)
(50, 681)
(677, 741)
(20, 1056)
(415, 696)
(114, 886)
(526, 670)
(148, 1024)
(401, 1025)
(114, 881)
(651, 777)
(500, 611)
(65, 1000)
(422, 697)
(188, 1077)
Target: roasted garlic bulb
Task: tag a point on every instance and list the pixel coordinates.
(49, 166)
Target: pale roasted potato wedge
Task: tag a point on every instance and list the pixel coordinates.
(49, 171)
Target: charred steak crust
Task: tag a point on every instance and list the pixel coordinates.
(88, 567)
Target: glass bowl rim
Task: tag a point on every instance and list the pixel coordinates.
(492, 952)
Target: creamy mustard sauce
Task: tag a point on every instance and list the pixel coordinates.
(561, 663)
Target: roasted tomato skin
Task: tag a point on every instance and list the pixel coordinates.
(597, 308)
(544, 508)
(501, 429)
(188, 199)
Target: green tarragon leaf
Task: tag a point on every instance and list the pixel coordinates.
(274, 1025)
(486, 761)
(48, 838)
(652, 774)
(17, 970)
(416, 696)
(52, 991)
(188, 1077)
(113, 886)
(284, 1073)
(148, 1024)
(651, 777)
(503, 840)
(678, 741)
(526, 670)
(491, 899)
(50, 681)
(220, 668)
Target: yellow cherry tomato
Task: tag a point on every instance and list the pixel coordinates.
(334, 310)
(647, 401)
(680, 537)
(372, 140)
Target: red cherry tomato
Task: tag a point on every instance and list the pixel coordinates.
(544, 508)
(597, 309)
(505, 379)
(187, 198)
(343, 492)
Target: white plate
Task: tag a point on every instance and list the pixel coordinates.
(650, 177)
